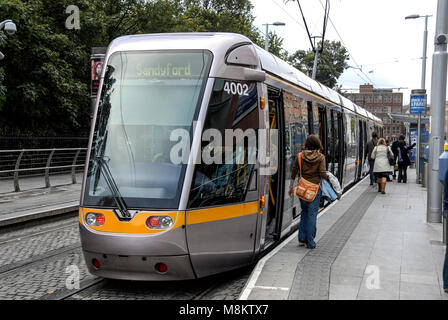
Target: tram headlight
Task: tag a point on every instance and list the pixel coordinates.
(91, 219)
(166, 222)
(159, 222)
(95, 219)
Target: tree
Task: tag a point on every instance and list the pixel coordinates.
(331, 64)
(45, 77)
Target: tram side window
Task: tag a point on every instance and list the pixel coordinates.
(296, 130)
(296, 126)
(316, 122)
(225, 171)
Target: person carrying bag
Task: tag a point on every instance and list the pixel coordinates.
(305, 190)
(312, 168)
(384, 162)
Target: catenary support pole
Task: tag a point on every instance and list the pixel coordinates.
(316, 58)
(423, 86)
(438, 98)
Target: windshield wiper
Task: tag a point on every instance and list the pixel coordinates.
(119, 200)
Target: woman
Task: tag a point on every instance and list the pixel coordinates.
(314, 170)
(382, 168)
(403, 159)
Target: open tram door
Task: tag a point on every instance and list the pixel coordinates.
(271, 186)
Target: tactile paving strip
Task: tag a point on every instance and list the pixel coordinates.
(312, 276)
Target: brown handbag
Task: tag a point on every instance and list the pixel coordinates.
(305, 190)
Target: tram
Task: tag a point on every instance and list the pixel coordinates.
(165, 196)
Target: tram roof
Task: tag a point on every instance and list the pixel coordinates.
(275, 65)
(219, 44)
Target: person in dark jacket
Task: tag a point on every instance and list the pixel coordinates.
(395, 152)
(368, 155)
(313, 170)
(403, 159)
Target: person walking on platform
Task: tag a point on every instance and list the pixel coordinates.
(403, 159)
(368, 155)
(394, 148)
(382, 167)
(388, 179)
(310, 165)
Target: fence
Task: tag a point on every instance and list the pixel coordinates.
(32, 162)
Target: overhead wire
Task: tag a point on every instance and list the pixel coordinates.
(343, 43)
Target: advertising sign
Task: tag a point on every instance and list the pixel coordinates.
(97, 66)
(412, 140)
(418, 104)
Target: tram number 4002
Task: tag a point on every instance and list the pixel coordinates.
(240, 89)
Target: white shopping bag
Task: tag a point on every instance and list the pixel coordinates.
(334, 183)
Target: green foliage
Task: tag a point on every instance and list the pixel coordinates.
(331, 64)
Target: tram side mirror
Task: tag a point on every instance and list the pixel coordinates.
(254, 75)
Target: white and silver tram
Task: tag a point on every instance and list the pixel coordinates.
(145, 215)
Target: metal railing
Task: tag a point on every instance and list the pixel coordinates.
(34, 162)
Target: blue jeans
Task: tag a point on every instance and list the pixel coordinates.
(445, 270)
(308, 219)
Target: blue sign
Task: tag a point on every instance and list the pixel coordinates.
(412, 140)
(418, 104)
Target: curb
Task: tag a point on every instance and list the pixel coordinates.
(29, 215)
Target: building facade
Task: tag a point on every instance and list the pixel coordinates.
(380, 102)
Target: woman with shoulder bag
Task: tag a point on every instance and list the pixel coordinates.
(310, 164)
(384, 161)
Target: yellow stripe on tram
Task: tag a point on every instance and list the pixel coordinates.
(221, 213)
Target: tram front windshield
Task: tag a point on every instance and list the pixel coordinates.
(144, 98)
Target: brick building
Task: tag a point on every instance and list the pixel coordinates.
(381, 102)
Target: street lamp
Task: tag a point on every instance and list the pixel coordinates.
(10, 28)
(423, 85)
(266, 42)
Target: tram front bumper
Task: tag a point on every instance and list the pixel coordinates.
(135, 257)
(139, 267)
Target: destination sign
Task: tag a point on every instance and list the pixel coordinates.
(164, 70)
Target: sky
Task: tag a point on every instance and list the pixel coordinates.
(388, 48)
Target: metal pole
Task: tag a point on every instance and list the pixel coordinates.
(423, 85)
(316, 57)
(266, 41)
(438, 96)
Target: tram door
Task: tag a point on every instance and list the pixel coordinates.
(274, 185)
(360, 149)
(340, 144)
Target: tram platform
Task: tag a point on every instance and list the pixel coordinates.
(35, 201)
(369, 246)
